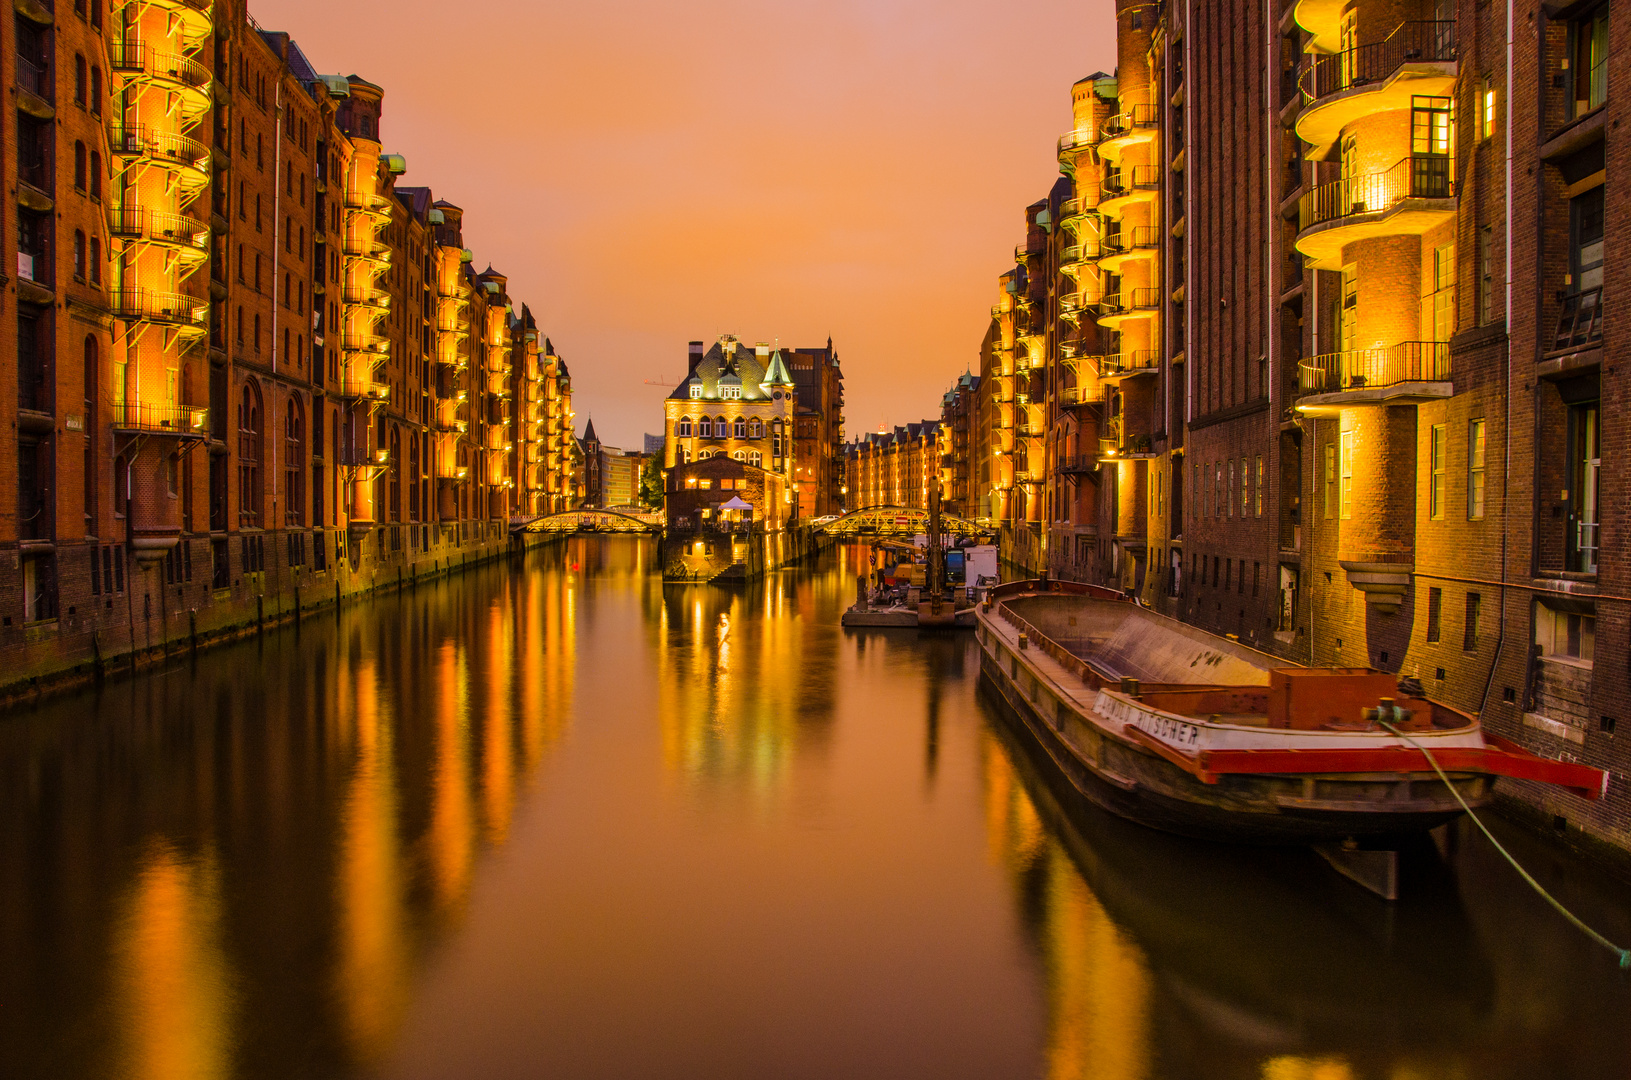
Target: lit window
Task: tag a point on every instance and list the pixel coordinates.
(1330, 480)
(1435, 466)
(684, 430)
(1350, 440)
(696, 390)
(1486, 109)
(1259, 485)
(1475, 469)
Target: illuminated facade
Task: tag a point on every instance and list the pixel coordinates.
(894, 468)
(1334, 375)
(251, 364)
(738, 402)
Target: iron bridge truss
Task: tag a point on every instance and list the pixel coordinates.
(898, 521)
(593, 521)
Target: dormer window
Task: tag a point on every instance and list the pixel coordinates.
(696, 391)
(732, 393)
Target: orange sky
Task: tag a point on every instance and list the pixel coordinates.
(651, 172)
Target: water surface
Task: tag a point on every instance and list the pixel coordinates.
(559, 820)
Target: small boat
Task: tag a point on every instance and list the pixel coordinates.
(1199, 735)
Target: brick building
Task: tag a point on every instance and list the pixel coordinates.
(251, 364)
(1316, 340)
(958, 434)
(894, 468)
(818, 430)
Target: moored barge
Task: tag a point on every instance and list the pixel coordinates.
(1199, 735)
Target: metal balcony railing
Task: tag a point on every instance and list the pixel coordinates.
(1389, 365)
(1125, 180)
(1581, 322)
(1120, 303)
(127, 57)
(1072, 141)
(146, 305)
(141, 416)
(34, 78)
(1126, 363)
(1410, 43)
(1139, 116)
(1078, 463)
(1420, 176)
(1138, 238)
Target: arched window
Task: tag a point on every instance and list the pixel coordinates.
(81, 167)
(96, 85)
(756, 430)
(93, 379)
(683, 431)
(740, 455)
(249, 456)
(96, 174)
(294, 464)
(741, 428)
(722, 428)
(79, 78)
(685, 456)
(776, 439)
(413, 477)
(396, 474)
(756, 459)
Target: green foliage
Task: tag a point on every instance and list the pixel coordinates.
(651, 483)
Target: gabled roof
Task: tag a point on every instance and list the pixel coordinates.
(727, 357)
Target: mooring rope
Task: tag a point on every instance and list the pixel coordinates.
(1623, 954)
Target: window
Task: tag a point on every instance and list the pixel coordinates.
(96, 89)
(1438, 307)
(1486, 275)
(1259, 500)
(1475, 470)
(1432, 121)
(96, 260)
(1229, 492)
(1586, 241)
(683, 429)
(756, 430)
(696, 391)
(1348, 327)
(1435, 472)
(1345, 496)
(249, 456)
(731, 393)
(1565, 633)
(1469, 632)
(81, 172)
(96, 175)
(1588, 61)
(1585, 442)
(1486, 109)
(1435, 614)
(1218, 496)
(756, 459)
(741, 427)
(79, 255)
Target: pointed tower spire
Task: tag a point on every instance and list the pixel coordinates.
(776, 375)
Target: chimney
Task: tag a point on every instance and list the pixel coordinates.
(762, 349)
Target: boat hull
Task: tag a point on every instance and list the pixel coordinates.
(1243, 809)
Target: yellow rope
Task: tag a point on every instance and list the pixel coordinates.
(1623, 954)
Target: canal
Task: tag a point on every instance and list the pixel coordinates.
(556, 820)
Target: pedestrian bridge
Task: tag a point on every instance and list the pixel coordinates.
(591, 521)
(897, 521)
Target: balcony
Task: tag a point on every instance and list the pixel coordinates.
(1070, 145)
(1121, 188)
(1411, 371)
(369, 389)
(1126, 364)
(1078, 464)
(169, 309)
(1128, 245)
(187, 158)
(1118, 307)
(1418, 58)
(1410, 198)
(368, 249)
(183, 421)
(1137, 126)
(371, 298)
(192, 17)
(1581, 323)
(1077, 397)
(361, 202)
(168, 72)
(1323, 20)
(186, 236)
(1076, 219)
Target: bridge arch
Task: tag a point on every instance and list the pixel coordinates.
(898, 521)
(592, 521)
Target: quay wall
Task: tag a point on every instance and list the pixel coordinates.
(135, 613)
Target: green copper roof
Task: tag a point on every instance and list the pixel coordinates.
(777, 374)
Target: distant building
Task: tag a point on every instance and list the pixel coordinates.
(893, 468)
(654, 445)
(818, 430)
(611, 476)
(959, 422)
(735, 402)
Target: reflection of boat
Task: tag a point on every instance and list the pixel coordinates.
(1199, 735)
(1251, 953)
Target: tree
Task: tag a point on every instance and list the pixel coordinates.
(651, 483)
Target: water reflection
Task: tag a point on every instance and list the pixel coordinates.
(1169, 958)
(510, 818)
